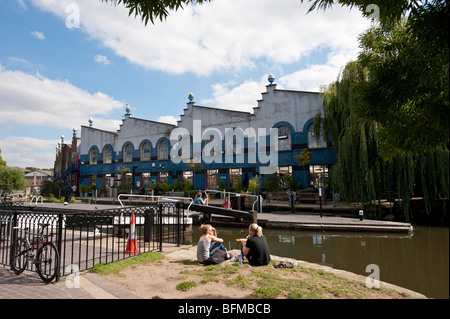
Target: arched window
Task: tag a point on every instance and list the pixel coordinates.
(93, 154)
(107, 155)
(163, 150)
(128, 153)
(313, 142)
(145, 151)
(284, 138)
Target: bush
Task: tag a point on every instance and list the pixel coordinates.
(188, 187)
(254, 186)
(237, 184)
(291, 183)
(271, 183)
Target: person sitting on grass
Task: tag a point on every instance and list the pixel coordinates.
(210, 249)
(255, 248)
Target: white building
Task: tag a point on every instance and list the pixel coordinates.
(224, 143)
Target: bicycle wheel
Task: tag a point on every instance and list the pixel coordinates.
(47, 262)
(18, 255)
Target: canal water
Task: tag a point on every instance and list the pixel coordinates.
(419, 262)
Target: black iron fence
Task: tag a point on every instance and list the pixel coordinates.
(85, 238)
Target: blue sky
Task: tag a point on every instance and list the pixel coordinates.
(64, 61)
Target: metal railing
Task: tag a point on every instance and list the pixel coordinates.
(155, 198)
(36, 199)
(86, 238)
(257, 198)
(7, 204)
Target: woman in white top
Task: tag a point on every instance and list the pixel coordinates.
(208, 244)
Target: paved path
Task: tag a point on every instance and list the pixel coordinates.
(28, 285)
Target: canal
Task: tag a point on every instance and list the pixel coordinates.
(419, 262)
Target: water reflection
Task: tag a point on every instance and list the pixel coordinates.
(419, 262)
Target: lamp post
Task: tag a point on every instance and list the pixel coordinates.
(132, 177)
(320, 200)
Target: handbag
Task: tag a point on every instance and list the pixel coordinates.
(218, 257)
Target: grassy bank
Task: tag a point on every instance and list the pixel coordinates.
(185, 278)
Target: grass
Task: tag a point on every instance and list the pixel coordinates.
(116, 266)
(185, 285)
(264, 282)
(268, 282)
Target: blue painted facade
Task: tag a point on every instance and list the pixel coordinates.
(292, 112)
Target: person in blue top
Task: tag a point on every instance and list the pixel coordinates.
(199, 200)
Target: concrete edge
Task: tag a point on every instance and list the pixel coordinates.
(351, 276)
(100, 288)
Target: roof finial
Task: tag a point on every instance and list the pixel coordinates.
(271, 78)
(191, 97)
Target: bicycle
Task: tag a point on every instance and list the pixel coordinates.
(46, 259)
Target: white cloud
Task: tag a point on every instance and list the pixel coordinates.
(169, 119)
(51, 103)
(317, 75)
(216, 36)
(34, 100)
(242, 97)
(38, 35)
(28, 151)
(102, 59)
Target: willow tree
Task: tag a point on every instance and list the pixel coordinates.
(369, 166)
(406, 93)
(359, 170)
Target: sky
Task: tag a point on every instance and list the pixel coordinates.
(65, 61)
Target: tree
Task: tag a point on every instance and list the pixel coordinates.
(2, 162)
(254, 185)
(407, 86)
(51, 188)
(388, 111)
(361, 173)
(11, 179)
(406, 92)
(154, 9)
(305, 157)
(390, 12)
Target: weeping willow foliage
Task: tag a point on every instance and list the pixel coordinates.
(361, 174)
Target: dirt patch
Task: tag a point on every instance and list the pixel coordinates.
(160, 279)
